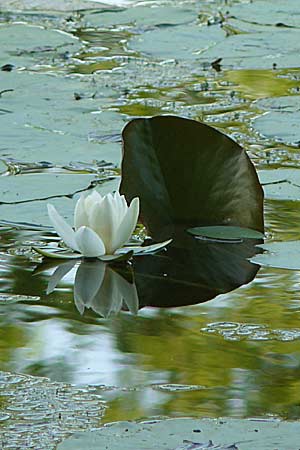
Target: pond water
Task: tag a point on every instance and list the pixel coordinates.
(69, 83)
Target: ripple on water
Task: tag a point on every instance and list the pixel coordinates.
(38, 413)
(235, 331)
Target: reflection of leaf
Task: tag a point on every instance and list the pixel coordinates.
(187, 173)
(194, 273)
(226, 233)
(284, 255)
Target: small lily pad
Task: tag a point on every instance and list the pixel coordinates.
(226, 233)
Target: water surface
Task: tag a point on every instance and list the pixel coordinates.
(76, 79)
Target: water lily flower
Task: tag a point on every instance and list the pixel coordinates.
(102, 225)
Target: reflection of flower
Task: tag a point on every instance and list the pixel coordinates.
(102, 226)
(98, 287)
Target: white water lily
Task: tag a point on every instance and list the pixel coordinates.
(102, 225)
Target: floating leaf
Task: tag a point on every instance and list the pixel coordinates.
(281, 184)
(281, 119)
(188, 434)
(226, 233)
(188, 174)
(282, 255)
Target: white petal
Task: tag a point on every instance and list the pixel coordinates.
(91, 199)
(88, 280)
(89, 243)
(62, 228)
(80, 215)
(127, 225)
(103, 221)
(121, 206)
(58, 275)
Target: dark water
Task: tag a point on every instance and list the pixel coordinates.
(236, 355)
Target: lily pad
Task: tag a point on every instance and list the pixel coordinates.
(226, 233)
(52, 124)
(188, 174)
(281, 119)
(258, 50)
(281, 184)
(283, 255)
(26, 45)
(270, 13)
(187, 434)
(27, 195)
(180, 42)
(143, 16)
(54, 5)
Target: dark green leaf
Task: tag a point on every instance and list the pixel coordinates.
(188, 174)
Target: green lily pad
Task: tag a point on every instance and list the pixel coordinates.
(180, 42)
(51, 124)
(226, 233)
(258, 50)
(188, 174)
(281, 184)
(281, 119)
(282, 255)
(268, 13)
(26, 196)
(187, 434)
(54, 5)
(26, 45)
(143, 16)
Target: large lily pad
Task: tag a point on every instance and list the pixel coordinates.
(188, 434)
(188, 174)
